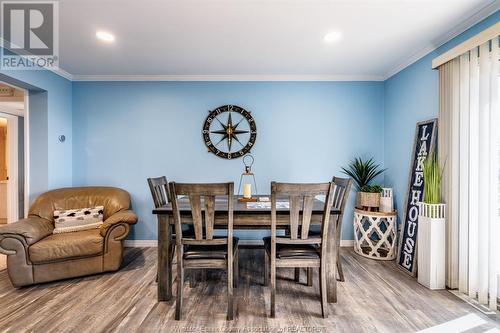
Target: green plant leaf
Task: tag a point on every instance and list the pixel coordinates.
(432, 179)
(362, 172)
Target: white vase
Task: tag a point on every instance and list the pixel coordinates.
(386, 201)
(431, 245)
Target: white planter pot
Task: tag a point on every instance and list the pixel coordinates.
(386, 201)
(431, 245)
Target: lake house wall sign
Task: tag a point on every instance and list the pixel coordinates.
(424, 144)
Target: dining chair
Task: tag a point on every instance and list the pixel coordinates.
(340, 196)
(159, 191)
(339, 202)
(203, 250)
(298, 248)
(161, 197)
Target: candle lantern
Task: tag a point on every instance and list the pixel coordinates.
(245, 181)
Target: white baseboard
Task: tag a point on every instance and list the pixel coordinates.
(154, 243)
(347, 243)
(141, 243)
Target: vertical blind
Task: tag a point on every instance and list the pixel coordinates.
(469, 141)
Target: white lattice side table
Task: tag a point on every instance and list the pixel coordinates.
(375, 234)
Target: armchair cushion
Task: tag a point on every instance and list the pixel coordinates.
(66, 246)
(124, 216)
(32, 229)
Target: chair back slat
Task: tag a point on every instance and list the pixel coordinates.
(195, 202)
(306, 216)
(300, 196)
(294, 216)
(202, 203)
(209, 216)
(159, 191)
(342, 193)
(301, 189)
(202, 189)
(339, 196)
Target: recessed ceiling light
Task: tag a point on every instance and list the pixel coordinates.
(333, 36)
(105, 36)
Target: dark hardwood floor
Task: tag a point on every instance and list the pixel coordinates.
(376, 297)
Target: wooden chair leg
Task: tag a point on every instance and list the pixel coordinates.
(230, 307)
(332, 297)
(297, 275)
(203, 275)
(236, 269)
(309, 276)
(339, 267)
(193, 277)
(322, 290)
(180, 284)
(339, 270)
(337, 249)
(266, 268)
(273, 287)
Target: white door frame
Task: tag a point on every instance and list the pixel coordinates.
(24, 114)
(12, 158)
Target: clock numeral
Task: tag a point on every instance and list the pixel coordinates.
(205, 131)
(209, 120)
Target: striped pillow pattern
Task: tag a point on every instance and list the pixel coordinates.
(78, 219)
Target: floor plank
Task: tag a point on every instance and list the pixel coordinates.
(376, 297)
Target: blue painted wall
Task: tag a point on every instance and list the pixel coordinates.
(124, 132)
(410, 96)
(50, 161)
(120, 133)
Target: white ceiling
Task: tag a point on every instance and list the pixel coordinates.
(257, 38)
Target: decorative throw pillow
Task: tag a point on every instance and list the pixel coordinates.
(78, 219)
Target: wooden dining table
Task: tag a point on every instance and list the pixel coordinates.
(244, 217)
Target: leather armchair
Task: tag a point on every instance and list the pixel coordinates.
(35, 254)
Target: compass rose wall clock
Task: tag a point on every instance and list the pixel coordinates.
(229, 131)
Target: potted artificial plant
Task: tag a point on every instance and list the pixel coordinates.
(431, 228)
(363, 172)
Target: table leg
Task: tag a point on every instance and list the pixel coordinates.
(164, 255)
(332, 260)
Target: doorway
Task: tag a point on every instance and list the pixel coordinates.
(11, 168)
(13, 150)
(13, 140)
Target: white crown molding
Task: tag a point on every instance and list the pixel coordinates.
(227, 78)
(59, 71)
(457, 30)
(63, 73)
(154, 243)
